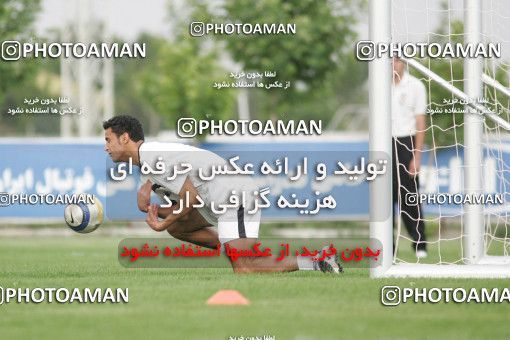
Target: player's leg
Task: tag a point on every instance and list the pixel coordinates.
(411, 213)
(259, 264)
(240, 232)
(195, 229)
(413, 218)
(271, 264)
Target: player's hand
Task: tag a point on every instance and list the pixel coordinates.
(414, 167)
(152, 218)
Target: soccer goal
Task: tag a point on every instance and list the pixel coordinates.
(467, 148)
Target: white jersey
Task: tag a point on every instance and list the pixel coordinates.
(409, 99)
(217, 190)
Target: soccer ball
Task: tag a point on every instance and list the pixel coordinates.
(84, 218)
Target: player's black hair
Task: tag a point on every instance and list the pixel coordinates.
(124, 123)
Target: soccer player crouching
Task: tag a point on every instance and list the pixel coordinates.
(236, 228)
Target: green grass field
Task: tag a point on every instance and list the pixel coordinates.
(170, 303)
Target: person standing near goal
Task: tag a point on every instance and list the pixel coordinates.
(192, 217)
(409, 101)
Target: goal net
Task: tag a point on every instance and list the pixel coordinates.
(464, 178)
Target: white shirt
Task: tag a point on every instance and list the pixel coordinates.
(217, 190)
(409, 99)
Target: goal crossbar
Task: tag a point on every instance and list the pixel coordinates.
(496, 84)
(462, 95)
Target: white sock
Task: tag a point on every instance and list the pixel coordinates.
(305, 263)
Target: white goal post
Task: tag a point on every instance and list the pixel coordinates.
(475, 262)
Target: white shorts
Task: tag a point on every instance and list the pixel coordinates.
(236, 224)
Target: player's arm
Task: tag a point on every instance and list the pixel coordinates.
(420, 135)
(143, 197)
(164, 212)
(152, 215)
(144, 201)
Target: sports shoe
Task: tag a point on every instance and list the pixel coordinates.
(421, 254)
(330, 264)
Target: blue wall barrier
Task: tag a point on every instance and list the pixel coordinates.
(57, 168)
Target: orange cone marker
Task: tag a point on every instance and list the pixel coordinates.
(228, 297)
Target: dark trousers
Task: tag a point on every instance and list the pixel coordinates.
(403, 184)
